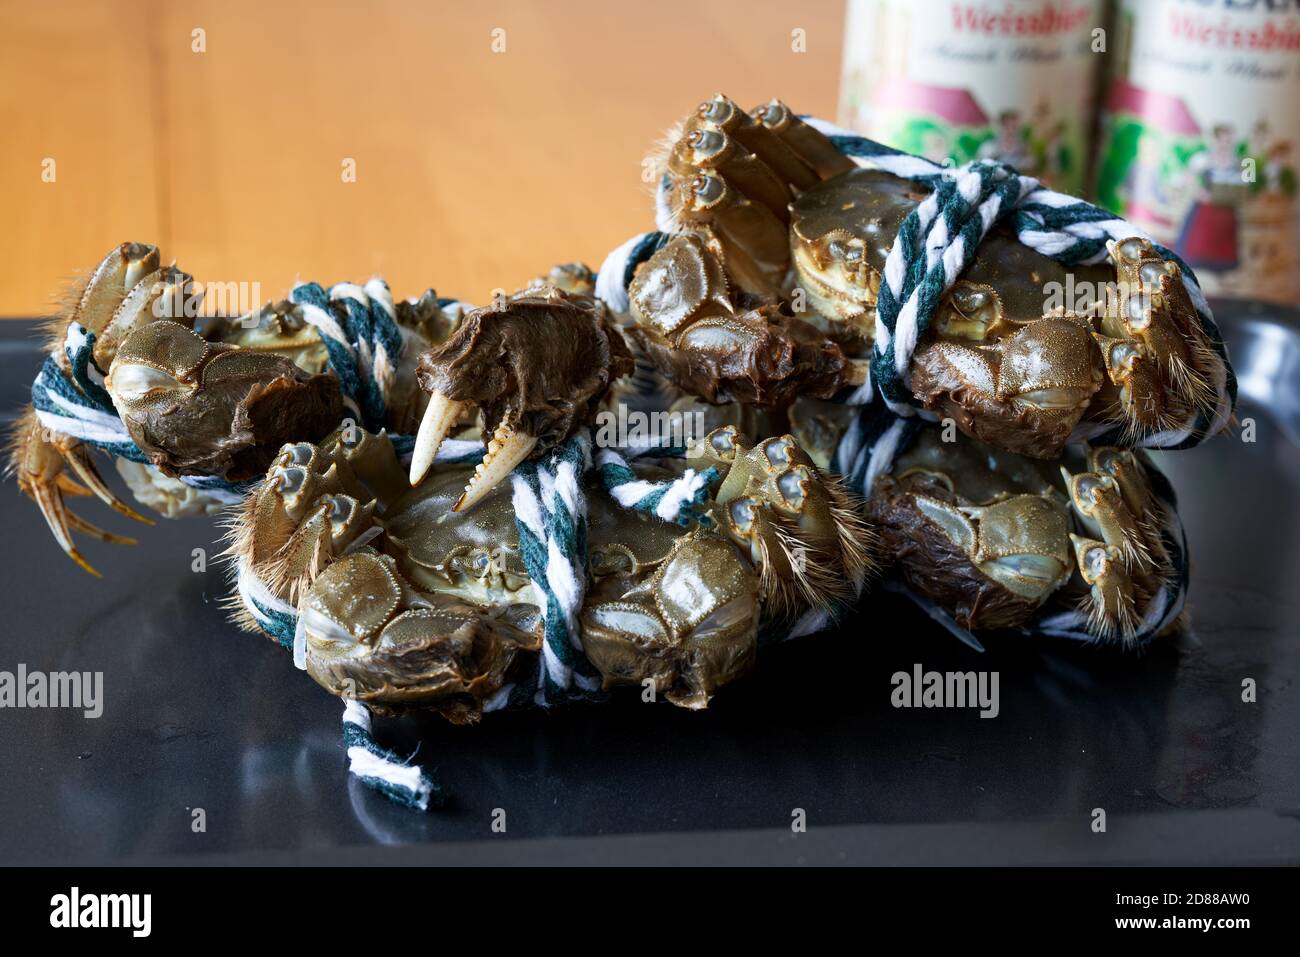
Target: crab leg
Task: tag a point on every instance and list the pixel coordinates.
(50, 502)
(732, 176)
(37, 459)
(1121, 557)
(1156, 353)
(1112, 600)
(79, 460)
(69, 487)
(77, 523)
(1099, 503)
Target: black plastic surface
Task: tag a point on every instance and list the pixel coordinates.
(200, 715)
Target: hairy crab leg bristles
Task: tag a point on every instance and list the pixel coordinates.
(857, 372)
(439, 418)
(505, 450)
(1111, 599)
(1098, 501)
(858, 542)
(798, 572)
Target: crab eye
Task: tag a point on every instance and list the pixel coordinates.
(1122, 355)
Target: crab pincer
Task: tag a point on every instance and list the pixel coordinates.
(535, 365)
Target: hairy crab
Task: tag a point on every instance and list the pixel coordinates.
(213, 397)
(992, 536)
(403, 609)
(769, 288)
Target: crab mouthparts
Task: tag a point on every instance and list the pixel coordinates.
(505, 449)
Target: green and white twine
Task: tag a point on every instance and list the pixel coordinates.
(935, 242)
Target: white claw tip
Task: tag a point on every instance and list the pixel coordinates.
(439, 418)
(506, 450)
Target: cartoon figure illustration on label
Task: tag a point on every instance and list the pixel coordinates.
(1209, 236)
(1010, 144)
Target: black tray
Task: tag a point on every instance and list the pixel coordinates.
(199, 715)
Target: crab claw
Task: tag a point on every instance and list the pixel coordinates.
(439, 418)
(507, 449)
(535, 366)
(37, 459)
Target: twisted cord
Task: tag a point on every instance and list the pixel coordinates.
(684, 500)
(1065, 228)
(358, 326)
(410, 785)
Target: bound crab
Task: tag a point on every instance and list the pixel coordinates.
(409, 584)
(769, 287)
(197, 398)
(766, 290)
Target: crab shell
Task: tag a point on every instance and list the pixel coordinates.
(201, 408)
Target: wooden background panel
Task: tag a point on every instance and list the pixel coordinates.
(75, 82)
(474, 169)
